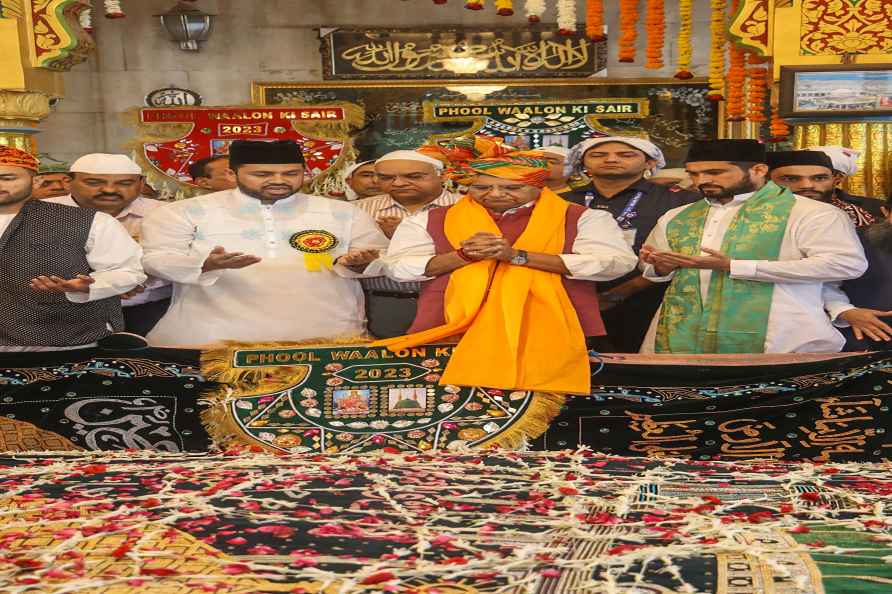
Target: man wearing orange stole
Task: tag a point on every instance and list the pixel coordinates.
(509, 271)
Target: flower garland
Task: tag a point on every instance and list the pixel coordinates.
(504, 7)
(685, 25)
(655, 23)
(628, 29)
(594, 20)
(778, 128)
(734, 104)
(474, 4)
(113, 9)
(85, 18)
(717, 51)
(534, 10)
(757, 87)
(566, 17)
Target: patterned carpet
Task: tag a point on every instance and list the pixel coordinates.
(439, 523)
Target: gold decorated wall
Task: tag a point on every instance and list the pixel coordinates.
(874, 140)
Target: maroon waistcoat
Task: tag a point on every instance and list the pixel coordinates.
(583, 294)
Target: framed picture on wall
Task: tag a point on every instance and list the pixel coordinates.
(861, 90)
(528, 112)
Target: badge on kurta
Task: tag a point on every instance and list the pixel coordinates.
(316, 246)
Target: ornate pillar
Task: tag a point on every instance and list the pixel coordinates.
(39, 40)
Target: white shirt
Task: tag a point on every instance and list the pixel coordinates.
(819, 246)
(600, 252)
(385, 206)
(132, 217)
(277, 299)
(114, 259)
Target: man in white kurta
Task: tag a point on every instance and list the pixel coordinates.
(252, 269)
(819, 245)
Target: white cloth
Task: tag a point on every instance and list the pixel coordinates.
(114, 259)
(845, 160)
(412, 156)
(105, 164)
(573, 164)
(132, 217)
(349, 193)
(275, 299)
(600, 252)
(819, 246)
(385, 206)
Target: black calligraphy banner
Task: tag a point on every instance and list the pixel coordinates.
(440, 53)
(831, 409)
(797, 407)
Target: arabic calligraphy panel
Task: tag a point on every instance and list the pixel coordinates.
(438, 53)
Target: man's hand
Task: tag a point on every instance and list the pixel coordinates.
(133, 292)
(867, 321)
(220, 259)
(484, 246)
(650, 255)
(714, 261)
(388, 225)
(358, 258)
(54, 284)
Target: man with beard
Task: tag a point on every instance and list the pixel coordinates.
(113, 184)
(412, 182)
(811, 174)
(748, 263)
(263, 262)
(616, 166)
(859, 307)
(861, 209)
(61, 268)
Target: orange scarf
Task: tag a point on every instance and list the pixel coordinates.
(520, 330)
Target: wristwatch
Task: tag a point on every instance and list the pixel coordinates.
(521, 258)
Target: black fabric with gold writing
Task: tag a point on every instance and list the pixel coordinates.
(830, 410)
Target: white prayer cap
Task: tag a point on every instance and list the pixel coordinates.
(574, 161)
(555, 149)
(348, 171)
(845, 160)
(105, 164)
(411, 156)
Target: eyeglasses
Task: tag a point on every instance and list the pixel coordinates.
(481, 190)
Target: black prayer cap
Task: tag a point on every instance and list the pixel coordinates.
(255, 152)
(746, 150)
(791, 158)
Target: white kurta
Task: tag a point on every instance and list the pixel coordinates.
(819, 246)
(277, 299)
(132, 217)
(600, 252)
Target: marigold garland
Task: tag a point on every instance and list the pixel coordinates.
(628, 29)
(566, 17)
(534, 10)
(594, 20)
(504, 7)
(734, 102)
(778, 128)
(757, 87)
(717, 51)
(685, 51)
(474, 4)
(655, 23)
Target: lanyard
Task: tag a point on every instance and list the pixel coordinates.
(627, 212)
